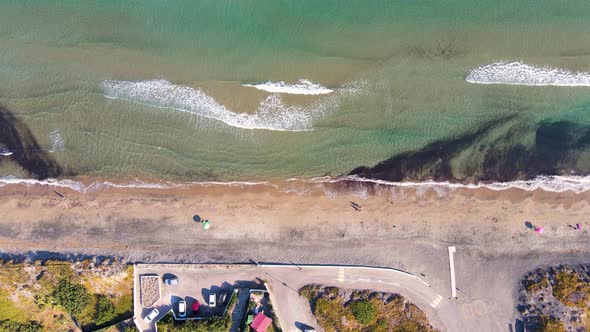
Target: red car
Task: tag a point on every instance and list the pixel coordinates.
(196, 306)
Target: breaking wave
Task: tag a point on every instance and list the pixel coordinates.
(330, 186)
(576, 184)
(57, 142)
(302, 87)
(518, 73)
(271, 114)
(96, 186)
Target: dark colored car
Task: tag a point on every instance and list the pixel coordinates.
(171, 281)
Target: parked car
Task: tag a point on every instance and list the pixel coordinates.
(222, 297)
(196, 306)
(171, 281)
(182, 308)
(150, 317)
(212, 300)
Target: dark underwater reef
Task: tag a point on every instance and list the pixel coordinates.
(498, 151)
(16, 137)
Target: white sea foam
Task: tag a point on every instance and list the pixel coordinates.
(272, 113)
(96, 186)
(518, 73)
(355, 187)
(302, 87)
(57, 142)
(576, 184)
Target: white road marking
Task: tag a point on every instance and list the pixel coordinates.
(341, 275)
(379, 280)
(436, 301)
(364, 279)
(452, 250)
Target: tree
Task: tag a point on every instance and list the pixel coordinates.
(73, 297)
(105, 310)
(363, 311)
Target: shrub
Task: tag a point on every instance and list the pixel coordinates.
(532, 286)
(569, 290)
(363, 311)
(105, 311)
(12, 326)
(329, 312)
(73, 297)
(549, 324)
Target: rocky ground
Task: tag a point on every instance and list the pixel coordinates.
(150, 290)
(556, 298)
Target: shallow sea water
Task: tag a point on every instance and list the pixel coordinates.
(156, 89)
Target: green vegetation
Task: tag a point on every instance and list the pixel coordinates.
(54, 295)
(168, 324)
(570, 290)
(363, 311)
(536, 286)
(549, 324)
(73, 297)
(12, 326)
(564, 287)
(340, 310)
(105, 310)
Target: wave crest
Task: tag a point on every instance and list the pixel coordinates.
(518, 73)
(302, 87)
(331, 186)
(271, 114)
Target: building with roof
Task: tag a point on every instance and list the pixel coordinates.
(261, 322)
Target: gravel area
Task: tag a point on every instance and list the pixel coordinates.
(150, 290)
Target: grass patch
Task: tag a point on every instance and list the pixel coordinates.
(9, 311)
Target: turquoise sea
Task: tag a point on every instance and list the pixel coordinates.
(191, 90)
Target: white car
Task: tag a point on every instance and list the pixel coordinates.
(212, 300)
(150, 317)
(182, 308)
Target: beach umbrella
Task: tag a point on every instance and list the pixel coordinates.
(206, 224)
(539, 230)
(196, 218)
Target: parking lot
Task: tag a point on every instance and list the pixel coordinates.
(189, 288)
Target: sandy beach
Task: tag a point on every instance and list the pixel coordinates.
(146, 222)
